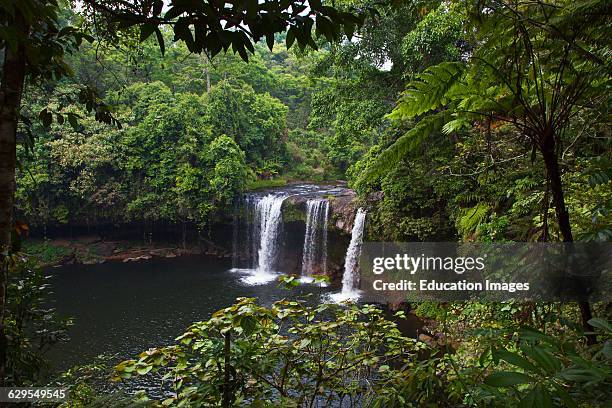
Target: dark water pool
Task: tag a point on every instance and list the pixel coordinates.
(121, 309)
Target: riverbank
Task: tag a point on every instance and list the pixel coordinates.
(88, 250)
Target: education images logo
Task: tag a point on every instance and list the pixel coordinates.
(407, 264)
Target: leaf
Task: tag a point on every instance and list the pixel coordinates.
(542, 397)
(270, 40)
(248, 324)
(537, 397)
(174, 12)
(580, 375)
(607, 349)
(158, 5)
(144, 370)
(455, 125)
(349, 30)
(544, 359)
(528, 401)
(146, 30)
(160, 41)
(507, 379)
(430, 91)
(529, 333)
(405, 144)
(46, 117)
(517, 360)
(565, 396)
(72, 119)
(290, 37)
(600, 324)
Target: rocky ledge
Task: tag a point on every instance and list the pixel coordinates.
(342, 208)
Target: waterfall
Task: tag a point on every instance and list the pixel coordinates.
(269, 220)
(236, 236)
(350, 278)
(260, 232)
(315, 238)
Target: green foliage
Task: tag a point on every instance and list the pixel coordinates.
(471, 218)
(87, 387)
(165, 164)
(289, 354)
(519, 354)
(551, 372)
(512, 94)
(262, 184)
(436, 38)
(255, 121)
(431, 90)
(407, 143)
(491, 84)
(44, 252)
(241, 25)
(31, 327)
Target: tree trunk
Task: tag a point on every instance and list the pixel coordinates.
(13, 76)
(556, 187)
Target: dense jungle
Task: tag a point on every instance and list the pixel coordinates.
(186, 186)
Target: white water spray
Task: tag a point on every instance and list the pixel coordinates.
(350, 278)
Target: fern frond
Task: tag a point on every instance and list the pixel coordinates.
(404, 145)
(456, 125)
(472, 217)
(433, 89)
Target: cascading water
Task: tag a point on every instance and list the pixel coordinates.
(269, 220)
(258, 236)
(350, 278)
(264, 225)
(315, 238)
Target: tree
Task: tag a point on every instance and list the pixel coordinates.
(536, 65)
(255, 121)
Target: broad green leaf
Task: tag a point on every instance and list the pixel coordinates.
(146, 30)
(601, 324)
(507, 379)
(517, 360)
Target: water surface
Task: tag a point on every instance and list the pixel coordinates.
(121, 309)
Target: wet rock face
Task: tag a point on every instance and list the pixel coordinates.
(291, 251)
(342, 208)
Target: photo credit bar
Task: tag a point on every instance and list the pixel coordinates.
(444, 271)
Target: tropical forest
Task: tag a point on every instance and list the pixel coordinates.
(223, 203)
